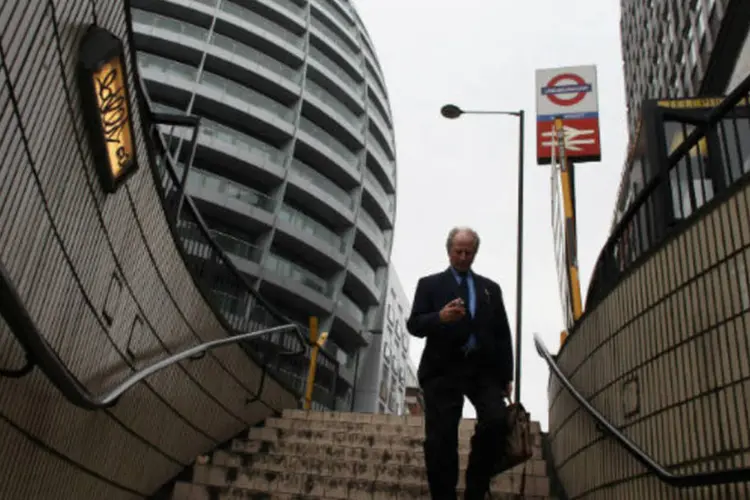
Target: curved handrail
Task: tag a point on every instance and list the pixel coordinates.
(597, 291)
(206, 233)
(38, 351)
(157, 140)
(685, 481)
(46, 358)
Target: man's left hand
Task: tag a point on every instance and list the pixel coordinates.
(509, 389)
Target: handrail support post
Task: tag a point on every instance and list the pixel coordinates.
(316, 342)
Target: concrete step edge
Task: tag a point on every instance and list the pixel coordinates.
(268, 465)
(274, 433)
(266, 481)
(252, 446)
(374, 418)
(192, 491)
(533, 467)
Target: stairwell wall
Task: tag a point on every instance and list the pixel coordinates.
(103, 280)
(665, 358)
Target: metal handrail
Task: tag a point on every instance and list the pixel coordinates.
(151, 121)
(739, 93)
(739, 475)
(44, 356)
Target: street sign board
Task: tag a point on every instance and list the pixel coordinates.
(568, 93)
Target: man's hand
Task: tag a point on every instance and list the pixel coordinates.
(452, 311)
(509, 390)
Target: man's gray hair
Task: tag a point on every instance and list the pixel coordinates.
(453, 232)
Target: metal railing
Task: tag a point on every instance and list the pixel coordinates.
(738, 475)
(249, 316)
(40, 354)
(675, 195)
(240, 308)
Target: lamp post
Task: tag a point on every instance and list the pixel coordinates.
(452, 112)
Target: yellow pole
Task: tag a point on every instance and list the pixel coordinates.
(313, 361)
(570, 236)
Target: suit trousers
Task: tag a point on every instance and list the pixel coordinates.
(444, 401)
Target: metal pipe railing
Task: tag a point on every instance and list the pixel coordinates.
(39, 353)
(739, 475)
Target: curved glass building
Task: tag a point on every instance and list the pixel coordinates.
(295, 165)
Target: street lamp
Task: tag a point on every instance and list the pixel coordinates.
(451, 111)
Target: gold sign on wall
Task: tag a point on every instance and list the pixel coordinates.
(102, 76)
(114, 115)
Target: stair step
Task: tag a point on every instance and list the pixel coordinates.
(329, 455)
(353, 439)
(357, 469)
(326, 486)
(242, 456)
(465, 432)
(376, 419)
(187, 491)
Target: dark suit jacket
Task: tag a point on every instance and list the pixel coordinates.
(444, 341)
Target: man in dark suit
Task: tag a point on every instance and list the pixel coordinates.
(467, 353)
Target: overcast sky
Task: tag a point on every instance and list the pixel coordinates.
(482, 54)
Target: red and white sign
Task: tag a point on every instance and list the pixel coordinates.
(569, 94)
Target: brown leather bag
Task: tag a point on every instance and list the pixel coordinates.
(519, 442)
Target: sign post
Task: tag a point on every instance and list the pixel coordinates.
(567, 132)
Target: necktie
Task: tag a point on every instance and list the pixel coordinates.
(463, 291)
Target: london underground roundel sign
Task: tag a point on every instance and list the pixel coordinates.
(568, 94)
(566, 89)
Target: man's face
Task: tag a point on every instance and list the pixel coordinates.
(462, 251)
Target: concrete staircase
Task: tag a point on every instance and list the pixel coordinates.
(317, 455)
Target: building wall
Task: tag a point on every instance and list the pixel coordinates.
(742, 66)
(63, 242)
(667, 48)
(665, 357)
(385, 364)
(296, 163)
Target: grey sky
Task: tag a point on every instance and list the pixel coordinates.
(482, 54)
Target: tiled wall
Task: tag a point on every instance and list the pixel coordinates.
(66, 246)
(666, 358)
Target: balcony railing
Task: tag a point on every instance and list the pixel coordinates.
(332, 37)
(307, 224)
(288, 269)
(166, 66)
(379, 191)
(255, 56)
(377, 232)
(355, 121)
(289, 5)
(347, 81)
(241, 141)
(245, 94)
(236, 246)
(323, 182)
(143, 20)
(364, 267)
(348, 156)
(261, 22)
(348, 305)
(200, 179)
(383, 159)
